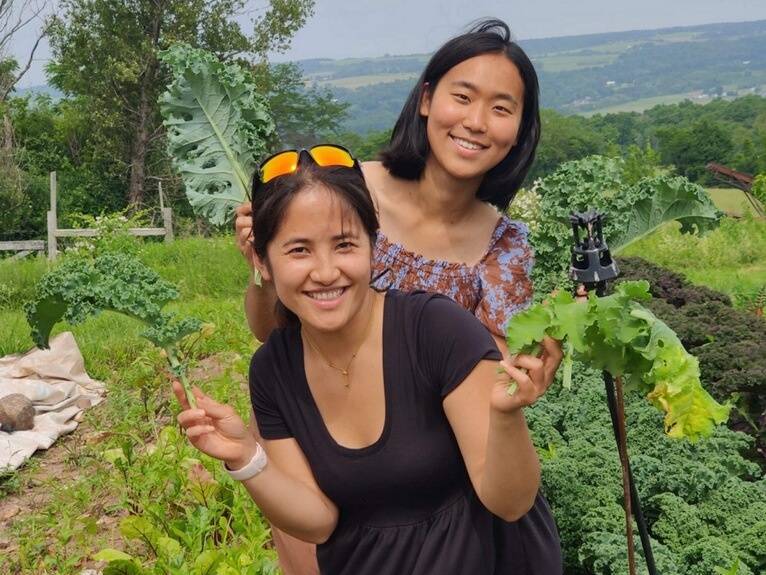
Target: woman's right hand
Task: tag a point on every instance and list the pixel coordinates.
(243, 228)
(215, 429)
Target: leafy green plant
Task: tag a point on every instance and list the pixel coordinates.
(691, 492)
(79, 289)
(633, 211)
(526, 207)
(617, 334)
(112, 234)
(187, 518)
(217, 128)
(729, 343)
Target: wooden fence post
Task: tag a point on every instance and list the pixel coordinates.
(167, 222)
(52, 219)
(167, 215)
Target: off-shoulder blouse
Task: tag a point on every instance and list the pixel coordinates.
(494, 289)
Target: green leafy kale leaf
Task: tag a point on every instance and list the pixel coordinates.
(619, 335)
(79, 289)
(633, 210)
(217, 129)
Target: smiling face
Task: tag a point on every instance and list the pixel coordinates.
(320, 260)
(473, 116)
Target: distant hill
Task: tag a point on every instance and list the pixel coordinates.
(617, 71)
(42, 90)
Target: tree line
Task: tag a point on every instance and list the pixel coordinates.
(106, 140)
(105, 137)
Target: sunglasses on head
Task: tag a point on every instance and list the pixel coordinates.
(288, 161)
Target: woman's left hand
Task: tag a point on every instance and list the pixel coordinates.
(525, 378)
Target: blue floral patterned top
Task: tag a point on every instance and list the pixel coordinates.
(494, 289)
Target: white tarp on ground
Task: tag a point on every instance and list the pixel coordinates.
(55, 381)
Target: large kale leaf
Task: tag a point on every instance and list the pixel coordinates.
(79, 289)
(218, 126)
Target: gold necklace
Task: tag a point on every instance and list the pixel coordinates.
(344, 371)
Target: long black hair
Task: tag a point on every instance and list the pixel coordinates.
(405, 156)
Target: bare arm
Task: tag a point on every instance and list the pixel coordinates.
(288, 494)
(492, 433)
(285, 490)
(260, 301)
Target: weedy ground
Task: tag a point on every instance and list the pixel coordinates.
(730, 259)
(127, 457)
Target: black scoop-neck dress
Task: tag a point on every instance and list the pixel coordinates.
(406, 502)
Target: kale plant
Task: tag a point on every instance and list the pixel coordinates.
(218, 127)
(633, 211)
(705, 504)
(729, 343)
(81, 288)
(617, 334)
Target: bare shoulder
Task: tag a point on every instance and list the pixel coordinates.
(385, 189)
(488, 217)
(375, 174)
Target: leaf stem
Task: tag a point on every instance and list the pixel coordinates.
(178, 370)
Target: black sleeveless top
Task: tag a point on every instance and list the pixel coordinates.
(406, 502)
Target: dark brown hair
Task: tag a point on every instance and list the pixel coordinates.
(270, 201)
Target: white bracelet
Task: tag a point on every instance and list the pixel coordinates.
(253, 468)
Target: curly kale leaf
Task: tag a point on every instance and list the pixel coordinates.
(690, 491)
(168, 330)
(632, 211)
(79, 289)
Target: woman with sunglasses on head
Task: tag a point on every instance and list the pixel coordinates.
(390, 438)
(459, 151)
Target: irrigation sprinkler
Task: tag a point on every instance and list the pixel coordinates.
(592, 266)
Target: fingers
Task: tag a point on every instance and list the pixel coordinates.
(211, 407)
(244, 209)
(178, 390)
(191, 417)
(551, 345)
(521, 377)
(552, 350)
(244, 232)
(196, 431)
(243, 226)
(526, 361)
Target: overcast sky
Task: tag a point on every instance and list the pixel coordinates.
(348, 28)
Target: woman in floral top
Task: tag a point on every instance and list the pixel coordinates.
(459, 152)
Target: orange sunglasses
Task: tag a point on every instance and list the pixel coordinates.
(288, 161)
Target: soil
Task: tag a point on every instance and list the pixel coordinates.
(58, 466)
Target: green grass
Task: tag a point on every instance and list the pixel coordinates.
(730, 259)
(731, 201)
(647, 103)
